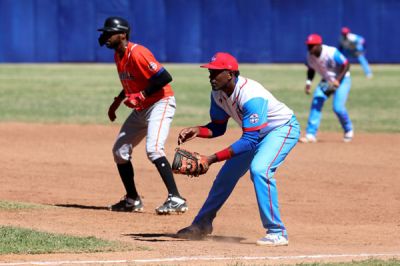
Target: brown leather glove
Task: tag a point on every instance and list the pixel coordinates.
(189, 163)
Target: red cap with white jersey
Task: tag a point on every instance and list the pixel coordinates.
(314, 39)
(222, 61)
(345, 30)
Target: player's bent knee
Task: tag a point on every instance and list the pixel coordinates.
(257, 171)
(122, 154)
(154, 155)
(339, 110)
(317, 103)
(121, 158)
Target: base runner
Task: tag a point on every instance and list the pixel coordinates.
(147, 92)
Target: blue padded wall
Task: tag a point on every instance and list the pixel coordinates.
(255, 31)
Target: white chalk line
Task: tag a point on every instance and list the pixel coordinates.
(202, 258)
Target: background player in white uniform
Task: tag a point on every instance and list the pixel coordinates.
(147, 91)
(270, 131)
(334, 70)
(354, 45)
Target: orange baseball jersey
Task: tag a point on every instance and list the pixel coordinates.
(136, 68)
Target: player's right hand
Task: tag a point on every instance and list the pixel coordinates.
(307, 89)
(187, 134)
(336, 83)
(113, 107)
(135, 100)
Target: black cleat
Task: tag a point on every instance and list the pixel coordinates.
(195, 232)
(127, 205)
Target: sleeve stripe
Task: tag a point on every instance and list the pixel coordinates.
(159, 72)
(255, 128)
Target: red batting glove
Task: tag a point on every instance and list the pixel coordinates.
(135, 100)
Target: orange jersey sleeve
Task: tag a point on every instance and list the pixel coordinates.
(145, 61)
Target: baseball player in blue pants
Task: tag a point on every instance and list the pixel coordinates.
(270, 131)
(339, 107)
(354, 45)
(336, 81)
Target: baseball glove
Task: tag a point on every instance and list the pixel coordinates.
(328, 88)
(189, 163)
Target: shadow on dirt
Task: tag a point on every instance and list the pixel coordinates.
(228, 239)
(152, 237)
(78, 206)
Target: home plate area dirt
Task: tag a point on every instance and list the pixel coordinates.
(339, 201)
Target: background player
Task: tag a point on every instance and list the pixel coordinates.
(334, 69)
(147, 92)
(270, 131)
(354, 45)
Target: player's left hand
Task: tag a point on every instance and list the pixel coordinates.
(135, 100)
(113, 108)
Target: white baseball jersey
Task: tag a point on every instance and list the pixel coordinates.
(251, 106)
(328, 63)
(352, 42)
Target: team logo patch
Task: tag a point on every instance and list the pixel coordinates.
(153, 66)
(254, 118)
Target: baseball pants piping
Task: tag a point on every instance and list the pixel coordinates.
(263, 163)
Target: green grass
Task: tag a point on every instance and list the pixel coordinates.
(12, 205)
(82, 93)
(15, 240)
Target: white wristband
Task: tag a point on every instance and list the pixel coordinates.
(308, 82)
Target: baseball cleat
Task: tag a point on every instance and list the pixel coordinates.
(195, 232)
(348, 136)
(127, 205)
(309, 138)
(173, 204)
(273, 240)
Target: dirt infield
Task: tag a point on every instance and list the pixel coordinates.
(336, 198)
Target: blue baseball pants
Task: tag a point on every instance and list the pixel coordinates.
(339, 106)
(262, 162)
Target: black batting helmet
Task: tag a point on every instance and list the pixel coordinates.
(114, 25)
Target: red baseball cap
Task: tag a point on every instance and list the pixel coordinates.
(345, 30)
(314, 39)
(223, 61)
